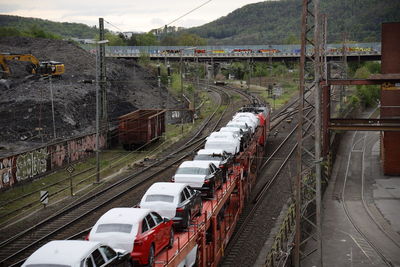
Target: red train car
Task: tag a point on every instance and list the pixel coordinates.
(141, 127)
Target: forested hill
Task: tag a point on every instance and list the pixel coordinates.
(278, 22)
(62, 29)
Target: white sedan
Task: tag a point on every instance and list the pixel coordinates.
(77, 253)
(175, 201)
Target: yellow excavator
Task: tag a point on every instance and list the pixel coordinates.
(42, 68)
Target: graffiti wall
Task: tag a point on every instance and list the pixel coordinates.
(31, 164)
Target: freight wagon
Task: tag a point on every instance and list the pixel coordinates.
(208, 235)
(141, 127)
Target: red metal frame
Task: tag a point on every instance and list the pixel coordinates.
(390, 107)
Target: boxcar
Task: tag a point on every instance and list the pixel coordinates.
(141, 127)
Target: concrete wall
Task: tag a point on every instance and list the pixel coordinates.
(29, 165)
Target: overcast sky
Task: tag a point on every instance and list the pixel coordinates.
(126, 15)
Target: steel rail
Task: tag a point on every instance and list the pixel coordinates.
(257, 200)
(386, 261)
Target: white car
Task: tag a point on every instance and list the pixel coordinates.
(223, 135)
(235, 130)
(77, 253)
(200, 175)
(230, 145)
(249, 115)
(219, 157)
(213, 155)
(244, 135)
(249, 122)
(175, 201)
(240, 124)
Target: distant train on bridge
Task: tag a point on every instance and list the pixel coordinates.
(220, 51)
(235, 51)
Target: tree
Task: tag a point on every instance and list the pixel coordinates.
(189, 39)
(114, 39)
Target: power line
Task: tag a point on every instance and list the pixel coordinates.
(194, 9)
(119, 29)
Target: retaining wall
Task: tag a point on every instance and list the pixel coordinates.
(32, 164)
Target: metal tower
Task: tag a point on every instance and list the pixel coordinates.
(308, 180)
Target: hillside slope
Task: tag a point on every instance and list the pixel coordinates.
(63, 29)
(25, 103)
(278, 22)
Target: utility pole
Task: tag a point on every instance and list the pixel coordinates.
(103, 89)
(197, 87)
(308, 179)
(101, 93)
(181, 73)
(168, 82)
(169, 73)
(159, 74)
(343, 72)
(52, 107)
(97, 115)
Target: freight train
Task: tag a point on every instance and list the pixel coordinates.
(200, 240)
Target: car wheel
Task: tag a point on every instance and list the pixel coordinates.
(151, 256)
(171, 238)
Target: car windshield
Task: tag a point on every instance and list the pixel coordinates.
(162, 198)
(47, 265)
(208, 157)
(191, 170)
(114, 228)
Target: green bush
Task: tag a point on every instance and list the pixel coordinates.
(368, 95)
(9, 31)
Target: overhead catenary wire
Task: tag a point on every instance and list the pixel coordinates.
(119, 29)
(187, 13)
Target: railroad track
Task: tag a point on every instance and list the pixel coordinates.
(364, 235)
(83, 213)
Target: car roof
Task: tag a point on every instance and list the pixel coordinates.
(195, 163)
(210, 151)
(62, 252)
(123, 215)
(235, 122)
(245, 114)
(246, 119)
(219, 135)
(165, 188)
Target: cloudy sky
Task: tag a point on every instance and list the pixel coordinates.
(126, 15)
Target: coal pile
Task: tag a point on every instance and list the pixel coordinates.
(25, 102)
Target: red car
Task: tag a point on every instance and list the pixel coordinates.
(142, 231)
